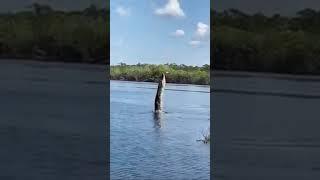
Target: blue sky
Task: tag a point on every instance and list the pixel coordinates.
(160, 31)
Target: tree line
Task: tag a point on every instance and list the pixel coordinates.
(240, 41)
(181, 74)
(41, 32)
(256, 42)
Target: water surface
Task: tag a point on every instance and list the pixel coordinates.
(147, 147)
(266, 126)
(52, 123)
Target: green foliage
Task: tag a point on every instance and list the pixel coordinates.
(48, 34)
(150, 73)
(266, 43)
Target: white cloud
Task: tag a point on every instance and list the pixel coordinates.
(194, 43)
(121, 11)
(202, 30)
(172, 8)
(178, 33)
(201, 34)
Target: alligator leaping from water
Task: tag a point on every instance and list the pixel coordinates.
(158, 99)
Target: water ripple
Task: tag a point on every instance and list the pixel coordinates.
(145, 147)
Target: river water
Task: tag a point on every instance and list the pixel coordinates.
(53, 121)
(145, 147)
(266, 126)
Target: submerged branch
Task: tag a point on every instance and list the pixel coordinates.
(205, 137)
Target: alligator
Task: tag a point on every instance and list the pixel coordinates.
(158, 99)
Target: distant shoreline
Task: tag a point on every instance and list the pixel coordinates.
(269, 75)
(54, 60)
(214, 73)
(177, 84)
(175, 73)
(54, 63)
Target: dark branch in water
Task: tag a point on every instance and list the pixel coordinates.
(206, 138)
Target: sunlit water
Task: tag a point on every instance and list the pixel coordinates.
(144, 147)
